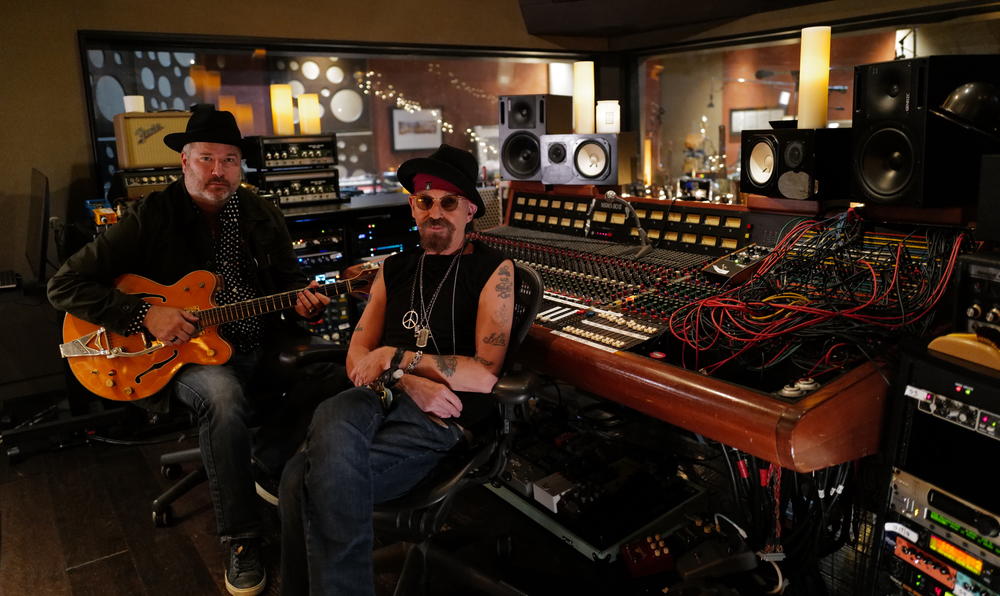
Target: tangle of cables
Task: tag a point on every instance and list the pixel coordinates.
(831, 292)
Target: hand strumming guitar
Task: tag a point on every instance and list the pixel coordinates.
(169, 324)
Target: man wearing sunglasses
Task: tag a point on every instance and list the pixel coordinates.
(423, 357)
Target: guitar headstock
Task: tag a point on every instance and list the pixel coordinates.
(362, 276)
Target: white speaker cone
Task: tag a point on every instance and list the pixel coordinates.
(591, 159)
(761, 162)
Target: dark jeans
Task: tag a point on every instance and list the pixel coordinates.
(356, 456)
(224, 398)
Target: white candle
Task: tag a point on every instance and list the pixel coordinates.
(608, 116)
(583, 97)
(281, 110)
(309, 114)
(814, 77)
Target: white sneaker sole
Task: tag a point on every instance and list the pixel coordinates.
(272, 499)
(251, 591)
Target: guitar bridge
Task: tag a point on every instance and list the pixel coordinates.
(98, 338)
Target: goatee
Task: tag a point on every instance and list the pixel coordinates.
(436, 241)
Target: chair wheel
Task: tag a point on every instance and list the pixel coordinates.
(162, 519)
(170, 471)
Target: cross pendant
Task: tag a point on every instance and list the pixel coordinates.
(423, 333)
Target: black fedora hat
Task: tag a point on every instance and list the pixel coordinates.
(448, 163)
(207, 125)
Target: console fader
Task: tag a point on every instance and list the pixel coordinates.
(597, 292)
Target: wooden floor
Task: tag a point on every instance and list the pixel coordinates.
(77, 521)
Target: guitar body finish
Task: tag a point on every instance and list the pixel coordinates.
(128, 378)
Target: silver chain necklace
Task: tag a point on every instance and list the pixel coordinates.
(421, 323)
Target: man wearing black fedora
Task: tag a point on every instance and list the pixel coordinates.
(435, 334)
(205, 220)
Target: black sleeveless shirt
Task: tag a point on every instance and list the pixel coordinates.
(465, 281)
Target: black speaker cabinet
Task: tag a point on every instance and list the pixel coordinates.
(792, 163)
(988, 200)
(903, 153)
(523, 119)
(601, 159)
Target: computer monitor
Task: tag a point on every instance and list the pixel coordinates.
(37, 246)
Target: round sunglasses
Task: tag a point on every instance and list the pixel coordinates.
(447, 202)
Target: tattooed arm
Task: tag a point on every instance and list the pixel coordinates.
(493, 321)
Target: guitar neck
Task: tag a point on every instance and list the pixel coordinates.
(238, 311)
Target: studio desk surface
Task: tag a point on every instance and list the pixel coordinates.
(839, 422)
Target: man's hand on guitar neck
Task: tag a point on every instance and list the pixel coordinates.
(308, 304)
(170, 325)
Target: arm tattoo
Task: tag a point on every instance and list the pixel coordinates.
(495, 339)
(446, 364)
(359, 328)
(482, 361)
(505, 285)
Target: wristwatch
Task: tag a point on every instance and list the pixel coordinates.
(392, 376)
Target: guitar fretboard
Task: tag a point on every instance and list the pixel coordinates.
(238, 311)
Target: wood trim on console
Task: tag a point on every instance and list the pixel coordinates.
(840, 422)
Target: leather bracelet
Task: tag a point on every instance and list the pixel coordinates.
(396, 358)
(413, 363)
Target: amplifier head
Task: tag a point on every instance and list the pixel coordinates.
(136, 184)
(298, 186)
(139, 138)
(265, 153)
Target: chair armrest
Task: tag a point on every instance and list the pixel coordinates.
(311, 350)
(514, 389)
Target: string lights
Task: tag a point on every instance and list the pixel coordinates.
(370, 83)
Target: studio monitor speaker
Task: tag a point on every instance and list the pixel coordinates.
(523, 119)
(902, 152)
(792, 163)
(600, 159)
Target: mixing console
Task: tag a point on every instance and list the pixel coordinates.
(598, 294)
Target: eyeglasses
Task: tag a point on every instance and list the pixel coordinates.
(447, 202)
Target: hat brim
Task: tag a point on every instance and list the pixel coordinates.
(426, 165)
(177, 140)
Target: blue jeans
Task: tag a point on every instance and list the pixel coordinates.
(356, 456)
(221, 398)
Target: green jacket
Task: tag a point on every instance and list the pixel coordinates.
(163, 238)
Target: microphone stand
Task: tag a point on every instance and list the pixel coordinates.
(644, 247)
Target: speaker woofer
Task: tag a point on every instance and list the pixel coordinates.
(520, 154)
(886, 162)
(591, 159)
(522, 113)
(760, 165)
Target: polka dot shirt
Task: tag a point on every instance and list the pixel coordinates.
(236, 285)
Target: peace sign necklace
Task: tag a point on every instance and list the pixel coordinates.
(421, 324)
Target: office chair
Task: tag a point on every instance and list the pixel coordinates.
(417, 518)
(287, 358)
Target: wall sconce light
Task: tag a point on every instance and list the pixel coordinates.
(814, 77)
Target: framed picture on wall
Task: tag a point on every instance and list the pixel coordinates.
(419, 129)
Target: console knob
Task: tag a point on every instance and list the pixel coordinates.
(974, 311)
(993, 316)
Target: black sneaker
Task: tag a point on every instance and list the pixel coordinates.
(245, 575)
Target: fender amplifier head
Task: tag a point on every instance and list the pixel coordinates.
(139, 138)
(132, 185)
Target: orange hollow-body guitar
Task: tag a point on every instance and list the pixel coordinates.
(127, 368)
